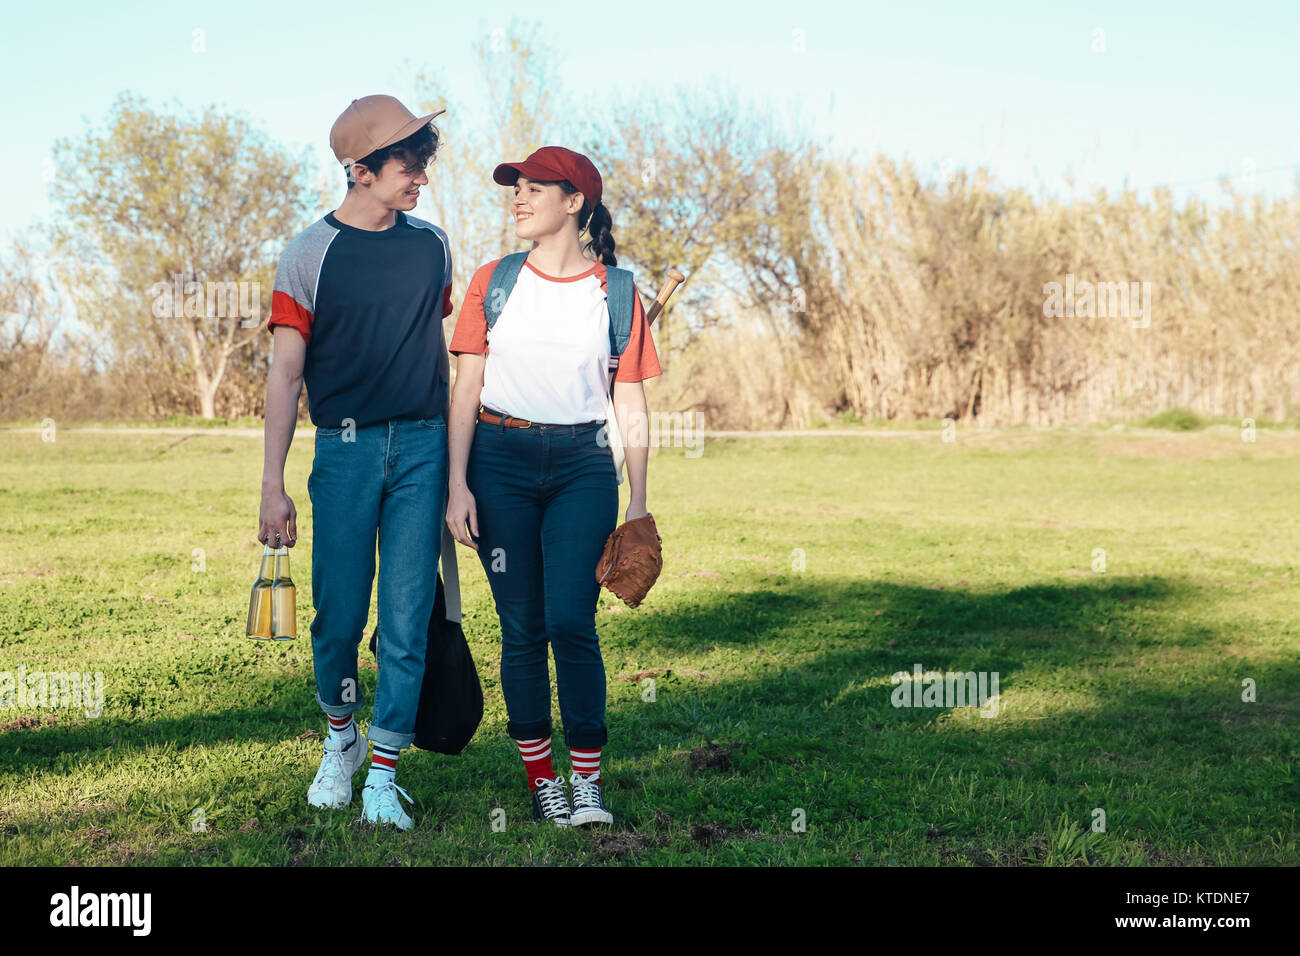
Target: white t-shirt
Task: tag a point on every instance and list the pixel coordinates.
(548, 353)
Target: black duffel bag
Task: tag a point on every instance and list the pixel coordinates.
(451, 697)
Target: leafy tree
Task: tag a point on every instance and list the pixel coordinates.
(155, 202)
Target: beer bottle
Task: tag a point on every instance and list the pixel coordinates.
(259, 605)
(284, 600)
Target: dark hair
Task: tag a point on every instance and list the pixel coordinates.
(417, 149)
(601, 243)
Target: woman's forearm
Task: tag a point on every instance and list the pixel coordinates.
(462, 416)
(632, 414)
(460, 435)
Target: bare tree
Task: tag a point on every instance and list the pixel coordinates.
(168, 229)
(28, 321)
(524, 109)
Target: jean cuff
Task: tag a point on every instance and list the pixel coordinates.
(586, 738)
(530, 730)
(341, 710)
(389, 739)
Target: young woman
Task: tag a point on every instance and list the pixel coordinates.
(532, 473)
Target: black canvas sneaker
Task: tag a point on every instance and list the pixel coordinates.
(588, 805)
(550, 802)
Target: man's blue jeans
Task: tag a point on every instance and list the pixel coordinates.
(389, 480)
(546, 500)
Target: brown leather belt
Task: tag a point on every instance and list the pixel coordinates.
(494, 418)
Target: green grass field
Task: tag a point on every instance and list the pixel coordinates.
(799, 575)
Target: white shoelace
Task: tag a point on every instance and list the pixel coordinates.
(331, 772)
(385, 801)
(586, 792)
(550, 794)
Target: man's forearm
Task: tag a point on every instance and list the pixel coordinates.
(282, 393)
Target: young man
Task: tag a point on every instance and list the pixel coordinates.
(357, 314)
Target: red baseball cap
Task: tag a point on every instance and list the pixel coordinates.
(551, 163)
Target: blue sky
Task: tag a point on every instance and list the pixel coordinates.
(1183, 92)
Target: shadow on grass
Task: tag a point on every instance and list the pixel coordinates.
(828, 709)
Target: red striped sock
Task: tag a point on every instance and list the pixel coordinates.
(342, 729)
(586, 762)
(537, 759)
(383, 760)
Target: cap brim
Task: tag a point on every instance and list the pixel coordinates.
(408, 129)
(507, 173)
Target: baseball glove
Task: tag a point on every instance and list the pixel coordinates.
(632, 560)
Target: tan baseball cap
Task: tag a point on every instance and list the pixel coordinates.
(372, 123)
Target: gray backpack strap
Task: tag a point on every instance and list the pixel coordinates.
(619, 292)
(501, 285)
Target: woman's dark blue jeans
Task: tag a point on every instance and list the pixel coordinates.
(546, 499)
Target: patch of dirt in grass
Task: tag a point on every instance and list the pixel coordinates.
(26, 723)
(120, 852)
(709, 834)
(616, 845)
(713, 756)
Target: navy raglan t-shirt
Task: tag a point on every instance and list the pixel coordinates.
(370, 307)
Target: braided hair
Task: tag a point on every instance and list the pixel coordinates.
(598, 224)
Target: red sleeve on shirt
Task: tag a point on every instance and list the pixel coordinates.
(285, 310)
(446, 301)
(471, 325)
(639, 360)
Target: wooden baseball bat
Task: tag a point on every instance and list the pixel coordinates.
(670, 285)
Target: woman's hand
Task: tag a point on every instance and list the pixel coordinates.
(461, 510)
(635, 511)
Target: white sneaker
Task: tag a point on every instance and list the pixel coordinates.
(379, 804)
(332, 787)
(588, 806)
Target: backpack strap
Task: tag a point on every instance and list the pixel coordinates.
(501, 285)
(619, 291)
